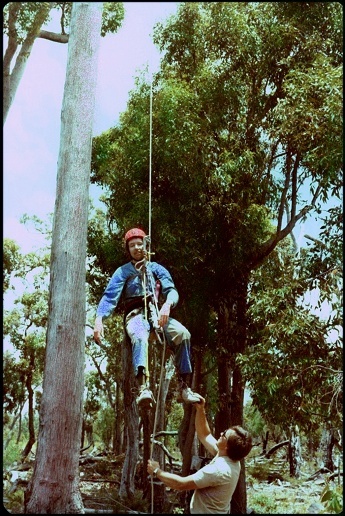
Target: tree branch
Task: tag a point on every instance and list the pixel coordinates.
(165, 450)
(53, 36)
(294, 187)
(284, 192)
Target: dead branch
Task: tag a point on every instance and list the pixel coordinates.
(275, 448)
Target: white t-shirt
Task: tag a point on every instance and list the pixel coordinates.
(216, 483)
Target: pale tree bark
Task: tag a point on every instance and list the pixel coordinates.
(12, 79)
(295, 452)
(326, 448)
(131, 421)
(54, 487)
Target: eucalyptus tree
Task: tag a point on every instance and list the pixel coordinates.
(23, 22)
(24, 325)
(247, 127)
(294, 353)
(54, 486)
(106, 359)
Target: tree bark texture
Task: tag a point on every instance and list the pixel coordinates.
(232, 312)
(326, 448)
(295, 452)
(54, 488)
(118, 430)
(168, 371)
(131, 422)
(186, 437)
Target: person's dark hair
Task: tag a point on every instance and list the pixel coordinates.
(239, 443)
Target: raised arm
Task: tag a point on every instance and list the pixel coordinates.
(202, 428)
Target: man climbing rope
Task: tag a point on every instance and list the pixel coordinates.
(215, 483)
(133, 284)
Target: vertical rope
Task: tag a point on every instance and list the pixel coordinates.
(152, 289)
(156, 411)
(150, 171)
(149, 254)
(147, 281)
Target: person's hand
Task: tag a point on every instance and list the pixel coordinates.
(98, 330)
(164, 314)
(151, 466)
(201, 404)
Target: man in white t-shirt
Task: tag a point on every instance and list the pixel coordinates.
(215, 483)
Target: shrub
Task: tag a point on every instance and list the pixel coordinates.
(332, 498)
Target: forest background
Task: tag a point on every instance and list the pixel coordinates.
(299, 272)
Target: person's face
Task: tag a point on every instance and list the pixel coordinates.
(223, 440)
(136, 248)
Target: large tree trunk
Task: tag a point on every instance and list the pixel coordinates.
(54, 488)
(231, 413)
(239, 498)
(223, 416)
(232, 314)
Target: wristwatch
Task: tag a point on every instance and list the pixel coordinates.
(155, 471)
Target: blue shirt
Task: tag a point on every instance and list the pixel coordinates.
(127, 281)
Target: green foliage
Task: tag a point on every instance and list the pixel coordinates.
(332, 497)
(174, 417)
(10, 260)
(112, 17)
(204, 153)
(24, 328)
(259, 470)
(104, 426)
(23, 15)
(291, 359)
(11, 454)
(13, 383)
(323, 262)
(246, 111)
(15, 502)
(264, 504)
(256, 424)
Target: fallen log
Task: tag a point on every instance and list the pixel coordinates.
(318, 472)
(275, 448)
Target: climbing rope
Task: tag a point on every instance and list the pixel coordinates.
(149, 292)
(150, 169)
